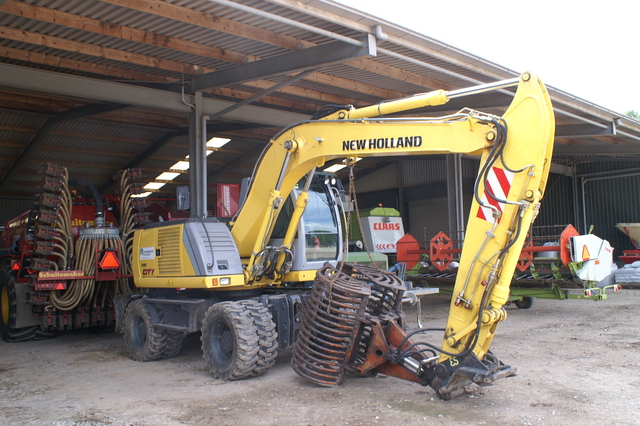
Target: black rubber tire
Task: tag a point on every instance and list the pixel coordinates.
(174, 339)
(267, 336)
(144, 342)
(45, 334)
(525, 303)
(229, 341)
(174, 344)
(8, 310)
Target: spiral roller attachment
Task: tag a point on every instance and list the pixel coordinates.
(335, 330)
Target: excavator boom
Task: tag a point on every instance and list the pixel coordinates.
(515, 151)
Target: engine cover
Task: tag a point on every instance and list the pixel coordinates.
(188, 253)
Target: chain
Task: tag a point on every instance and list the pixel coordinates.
(345, 243)
(352, 197)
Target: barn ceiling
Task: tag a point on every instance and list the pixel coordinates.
(99, 86)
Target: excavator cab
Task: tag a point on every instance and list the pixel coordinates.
(319, 232)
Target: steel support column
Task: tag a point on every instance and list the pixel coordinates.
(400, 174)
(454, 193)
(197, 159)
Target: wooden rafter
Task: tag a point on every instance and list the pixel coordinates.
(229, 93)
(96, 51)
(57, 61)
(208, 21)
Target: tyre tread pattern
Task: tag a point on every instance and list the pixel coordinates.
(9, 333)
(267, 336)
(174, 340)
(174, 344)
(240, 320)
(155, 343)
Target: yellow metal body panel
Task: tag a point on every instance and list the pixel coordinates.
(237, 282)
(300, 276)
(491, 249)
(160, 260)
(486, 265)
(316, 142)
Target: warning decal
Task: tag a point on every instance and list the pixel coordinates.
(499, 183)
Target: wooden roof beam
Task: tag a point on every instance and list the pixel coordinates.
(96, 51)
(56, 61)
(206, 20)
(217, 23)
(224, 92)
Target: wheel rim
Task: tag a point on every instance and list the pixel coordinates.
(222, 342)
(4, 305)
(139, 331)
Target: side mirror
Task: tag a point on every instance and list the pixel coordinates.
(182, 198)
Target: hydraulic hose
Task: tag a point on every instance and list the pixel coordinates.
(94, 193)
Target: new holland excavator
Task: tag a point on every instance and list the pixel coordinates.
(274, 276)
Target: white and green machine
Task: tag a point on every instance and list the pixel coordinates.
(381, 229)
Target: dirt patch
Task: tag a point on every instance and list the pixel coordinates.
(577, 362)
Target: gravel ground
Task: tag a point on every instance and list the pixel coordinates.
(577, 361)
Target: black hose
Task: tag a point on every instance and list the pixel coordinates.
(327, 110)
(94, 193)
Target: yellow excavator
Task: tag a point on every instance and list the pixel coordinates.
(273, 277)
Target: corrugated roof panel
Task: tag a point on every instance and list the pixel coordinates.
(151, 163)
(104, 130)
(442, 63)
(120, 151)
(15, 206)
(12, 21)
(17, 120)
(338, 91)
(179, 152)
(10, 154)
(69, 159)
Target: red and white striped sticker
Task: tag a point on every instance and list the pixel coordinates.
(499, 183)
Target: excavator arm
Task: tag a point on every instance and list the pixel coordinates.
(516, 151)
(357, 133)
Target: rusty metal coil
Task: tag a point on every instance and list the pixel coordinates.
(337, 317)
(386, 296)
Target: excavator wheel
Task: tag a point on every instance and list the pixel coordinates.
(230, 342)
(267, 336)
(144, 342)
(174, 340)
(8, 310)
(45, 334)
(174, 344)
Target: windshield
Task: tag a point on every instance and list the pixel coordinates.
(319, 221)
